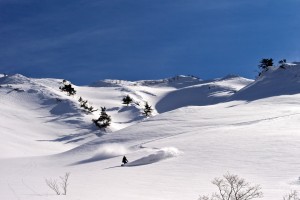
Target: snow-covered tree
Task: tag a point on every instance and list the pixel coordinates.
(104, 120)
(67, 87)
(91, 109)
(147, 110)
(282, 63)
(84, 104)
(127, 100)
(265, 63)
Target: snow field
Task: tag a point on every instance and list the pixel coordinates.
(175, 154)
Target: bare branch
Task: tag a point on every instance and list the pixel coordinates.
(204, 198)
(64, 183)
(231, 187)
(292, 196)
(52, 183)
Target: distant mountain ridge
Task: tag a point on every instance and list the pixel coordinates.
(182, 79)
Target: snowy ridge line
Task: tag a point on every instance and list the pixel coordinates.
(171, 80)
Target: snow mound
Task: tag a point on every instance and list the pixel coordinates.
(162, 154)
(206, 93)
(14, 79)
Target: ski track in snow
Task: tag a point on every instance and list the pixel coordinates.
(261, 120)
(13, 191)
(211, 128)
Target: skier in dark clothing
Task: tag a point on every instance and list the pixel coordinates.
(124, 160)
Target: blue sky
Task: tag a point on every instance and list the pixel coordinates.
(88, 40)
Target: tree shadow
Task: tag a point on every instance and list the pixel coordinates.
(74, 138)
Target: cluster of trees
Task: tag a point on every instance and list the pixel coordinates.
(265, 63)
(104, 119)
(147, 110)
(84, 105)
(67, 87)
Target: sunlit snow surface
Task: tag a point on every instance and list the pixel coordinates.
(200, 130)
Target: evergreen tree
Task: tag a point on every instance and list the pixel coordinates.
(67, 87)
(104, 120)
(91, 109)
(282, 63)
(265, 63)
(84, 104)
(147, 110)
(127, 100)
(80, 99)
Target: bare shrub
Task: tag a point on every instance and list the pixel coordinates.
(64, 183)
(56, 186)
(232, 187)
(292, 196)
(52, 183)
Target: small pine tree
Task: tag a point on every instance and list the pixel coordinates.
(127, 100)
(265, 63)
(84, 104)
(147, 110)
(91, 109)
(282, 63)
(67, 87)
(80, 99)
(104, 120)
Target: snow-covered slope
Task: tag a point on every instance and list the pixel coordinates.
(57, 123)
(204, 93)
(274, 82)
(200, 130)
(37, 119)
